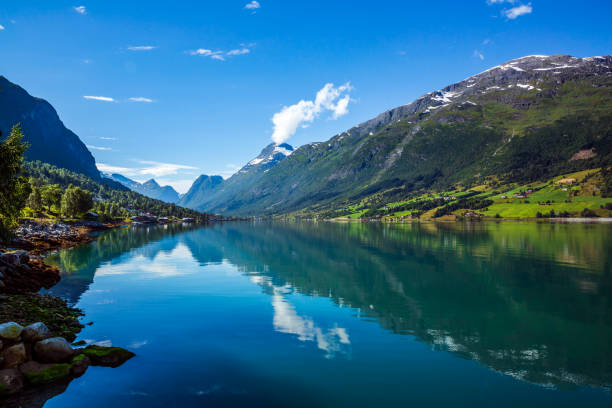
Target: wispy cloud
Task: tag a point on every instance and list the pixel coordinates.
(159, 169)
(478, 54)
(254, 5)
(140, 99)
(99, 98)
(98, 147)
(518, 11)
(218, 54)
(107, 138)
(240, 51)
(229, 170)
(329, 98)
(490, 2)
(141, 48)
(1, 27)
(107, 168)
(80, 9)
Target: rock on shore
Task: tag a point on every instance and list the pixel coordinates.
(31, 357)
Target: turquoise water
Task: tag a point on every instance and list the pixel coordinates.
(327, 314)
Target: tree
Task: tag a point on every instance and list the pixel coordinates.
(76, 201)
(35, 198)
(14, 189)
(51, 195)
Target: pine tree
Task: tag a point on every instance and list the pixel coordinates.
(14, 189)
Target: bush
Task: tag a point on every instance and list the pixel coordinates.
(588, 213)
(76, 201)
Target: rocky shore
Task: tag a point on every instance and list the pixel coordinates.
(37, 360)
(38, 238)
(33, 356)
(22, 269)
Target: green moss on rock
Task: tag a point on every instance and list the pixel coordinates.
(79, 358)
(46, 373)
(107, 356)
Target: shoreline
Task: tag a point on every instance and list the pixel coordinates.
(22, 266)
(556, 220)
(33, 377)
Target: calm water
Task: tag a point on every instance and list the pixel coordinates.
(507, 314)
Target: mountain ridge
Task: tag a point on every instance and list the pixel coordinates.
(149, 188)
(203, 190)
(466, 133)
(50, 141)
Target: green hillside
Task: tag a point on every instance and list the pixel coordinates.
(525, 121)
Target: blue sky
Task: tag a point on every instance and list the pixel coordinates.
(182, 88)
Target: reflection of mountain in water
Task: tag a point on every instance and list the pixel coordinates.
(528, 300)
(79, 264)
(514, 296)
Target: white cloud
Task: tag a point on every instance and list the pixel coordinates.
(254, 5)
(107, 168)
(141, 48)
(490, 2)
(1, 27)
(329, 98)
(219, 55)
(203, 51)
(478, 54)
(98, 147)
(158, 169)
(80, 9)
(140, 99)
(241, 51)
(99, 98)
(107, 138)
(518, 11)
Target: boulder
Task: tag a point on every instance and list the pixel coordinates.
(14, 356)
(35, 332)
(10, 331)
(16, 258)
(107, 356)
(53, 350)
(37, 374)
(11, 381)
(79, 365)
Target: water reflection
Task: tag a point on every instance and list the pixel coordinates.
(286, 320)
(528, 300)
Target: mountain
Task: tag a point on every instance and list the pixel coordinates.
(200, 190)
(149, 188)
(50, 141)
(527, 119)
(206, 190)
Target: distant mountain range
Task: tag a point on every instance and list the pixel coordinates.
(149, 188)
(50, 141)
(210, 191)
(526, 119)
